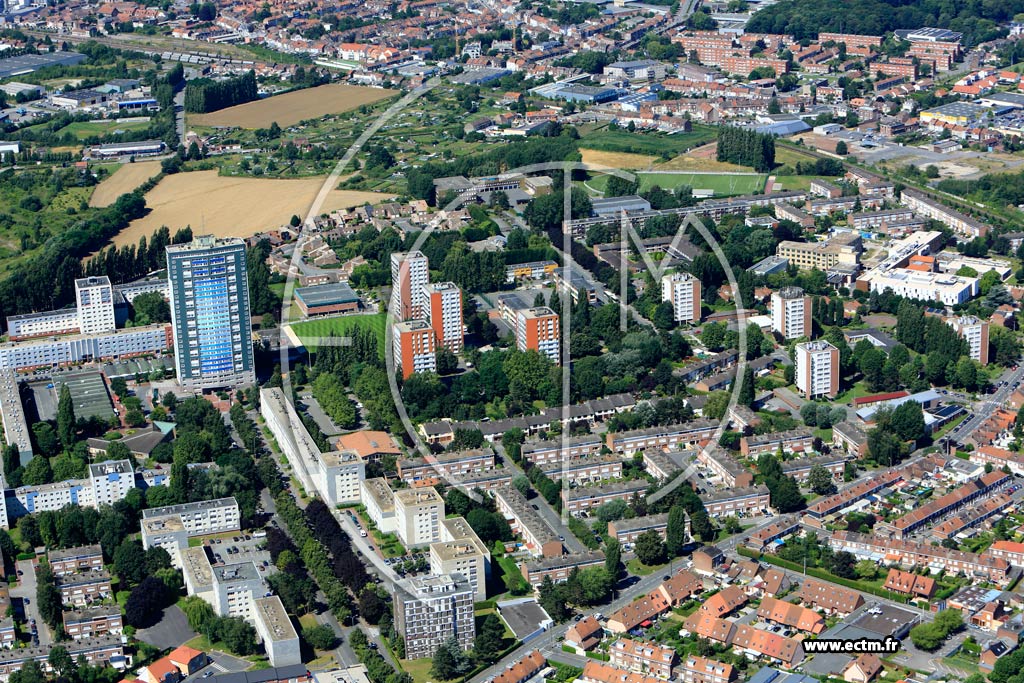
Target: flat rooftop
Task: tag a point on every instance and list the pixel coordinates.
(184, 508)
(327, 295)
(239, 571)
(273, 614)
(424, 496)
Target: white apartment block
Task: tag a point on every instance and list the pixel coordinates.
(682, 290)
(202, 517)
(168, 533)
(379, 501)
(975, 331)
(231, 589)
(418, 515)
(111, 481)
(442, 302)
(276, 632)
(460, 551)
(95, 298)
(409, 273)
(335, 475)
(817, 369)
(27, 325)
(791, 313)
(914, 284)
(434, 609)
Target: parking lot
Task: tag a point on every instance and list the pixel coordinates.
(239, 547)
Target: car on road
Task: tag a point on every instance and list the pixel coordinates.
(207, 674)
(26, 601)
(666, 577)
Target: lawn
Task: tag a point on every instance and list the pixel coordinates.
(655, 144)
(339, 327)
(638, 568)
(793, 182)
(419, 669)
(98, 129)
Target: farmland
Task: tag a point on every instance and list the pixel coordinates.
(124, 179)
(723, 184)
(293, 107)
(623, 160)
(339, 327)
(241, 206)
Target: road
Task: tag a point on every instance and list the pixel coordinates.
(984, 408)
(26, 588)
(546, 512)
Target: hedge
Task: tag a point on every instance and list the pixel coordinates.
(824, 575)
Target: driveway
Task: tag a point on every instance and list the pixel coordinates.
(171, 631)
(26, 588)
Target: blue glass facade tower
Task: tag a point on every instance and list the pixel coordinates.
(210, 313)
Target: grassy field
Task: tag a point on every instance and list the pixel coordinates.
(290, 108)
(123, 180)
(722, 183)
(325, 327)
(623, 160)
(701, 159)
(232, 206)
(92, 129)
(654, 144)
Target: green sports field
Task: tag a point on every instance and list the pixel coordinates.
(339, 327)
(723, 184)
(88, 129)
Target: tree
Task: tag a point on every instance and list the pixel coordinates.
(522, 484)
(842, 565)
(320, 637)
(489, 641)
(450, 661)
(130, 562)
(700, 525)
(820, 480)
(371, 606)
(613, 558)
(866, 569)
(48, 598)
(145, 603)
(447, 361)
(785, 495)
(809, 414)
(66, 423)
(675, 532)
(650, 549)
(148, 309)
(907, 421)
(59, 660)
(841, 148)
(746, 393)
(612, 510)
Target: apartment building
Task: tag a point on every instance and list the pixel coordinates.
(432, 610)
(210, 314)
(975, 332)
(587, 470)
(94, 297)
(90, 622)
(641, 657)
(168, 533)
(414, 347)
(409, 274)
(558, 568)
(335, 475)
(731, 472)
(817, 369)
(697, 669)
(485, 481)
(800, 468)
(579, 501)
(442, 302)
(557, 450)
(379, 501)
(85, 587)
(841, 250)
(682, 290)
(540, 540)
(659, 464)
(460, 551)
(685, 434)
(42, 324)
(74, 560)
(746, 500)
(414, 470)
(99, 652)
(201, 517)
(869, 220)
(418, 515)
(928, 286)
(800, 440)
(962, 224)
(81, 348)
(791, 313)
(276, 632)
(110, 481)
(626, 531)
(537, 329)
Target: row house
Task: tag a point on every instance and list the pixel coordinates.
(642, 657)
(445, 465)
(85, 587)
(742, 501)
(580, 501)
(558, 568)
(538, 537)
(792, 441)
(74, 560)
(800, 469)
(909, 583)
(584, 470)
(99, 652)
(721, 463)
(697, 669)
(942, 506)
(89, 622)
(973, 517)
(910, 554)
(777, 649)
(626, 531)
(829, 598)
(684, 434)
(800, 618)
(840, 501)
(761, 540)
(558, 450)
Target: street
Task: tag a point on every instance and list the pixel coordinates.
(26, 588)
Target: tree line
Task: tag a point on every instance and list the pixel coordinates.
(204, 95)
(746, 147)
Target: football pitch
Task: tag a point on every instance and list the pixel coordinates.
(339, 327)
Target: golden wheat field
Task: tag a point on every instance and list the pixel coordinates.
(290, 108)
(624, 160)
(233, 207)
(123, 180)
